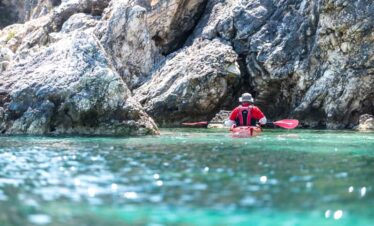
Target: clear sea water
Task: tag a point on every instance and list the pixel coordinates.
(189, 177)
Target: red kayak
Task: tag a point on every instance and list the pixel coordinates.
(245, 131)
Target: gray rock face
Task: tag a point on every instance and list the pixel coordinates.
(137, 33)
(133, 53)
(306, 59)
(171, 21)
(79, 21)
(191, 84)
(82, 95)
(39, 32)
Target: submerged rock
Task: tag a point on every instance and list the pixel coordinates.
(69, 87)
(191, 84)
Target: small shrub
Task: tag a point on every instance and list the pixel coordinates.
(11, 35)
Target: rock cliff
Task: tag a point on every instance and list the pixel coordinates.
(182, 60)
(312, 60)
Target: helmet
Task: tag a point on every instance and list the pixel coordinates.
(246, 97)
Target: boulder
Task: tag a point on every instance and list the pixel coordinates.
(219, 119)
(366, 123)
(69, 87)
(191, 84)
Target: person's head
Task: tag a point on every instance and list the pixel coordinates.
(246, 99)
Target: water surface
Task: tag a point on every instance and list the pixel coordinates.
(189, 177)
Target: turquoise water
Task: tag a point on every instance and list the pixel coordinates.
(189, 177)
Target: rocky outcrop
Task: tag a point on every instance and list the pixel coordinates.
(69, 87)
(134, 54)
(191, 84)
(366, 123)
(187, 59)
(138, 33)
(305, 59)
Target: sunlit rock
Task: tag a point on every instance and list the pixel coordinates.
(366, 123)
(190, 84)
(219, 119)
(70, 88)
(138, 34)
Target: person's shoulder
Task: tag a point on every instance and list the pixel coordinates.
(235, 110)
(255, 108)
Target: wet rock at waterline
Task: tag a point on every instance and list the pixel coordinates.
(69, 88)
(191, 84)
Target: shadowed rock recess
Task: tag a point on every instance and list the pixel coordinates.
(107, 67)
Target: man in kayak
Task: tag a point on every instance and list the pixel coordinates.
(246, 114)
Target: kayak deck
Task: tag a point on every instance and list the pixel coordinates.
(245, 131)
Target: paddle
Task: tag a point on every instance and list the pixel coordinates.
(286, 123)
(195, 123)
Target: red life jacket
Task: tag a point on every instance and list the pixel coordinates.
(244, 116)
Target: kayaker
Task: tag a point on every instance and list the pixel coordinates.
(246, 114)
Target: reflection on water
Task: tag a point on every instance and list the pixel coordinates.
(189, 177)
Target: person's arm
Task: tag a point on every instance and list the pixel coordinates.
(258, 115)
(231, 120)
